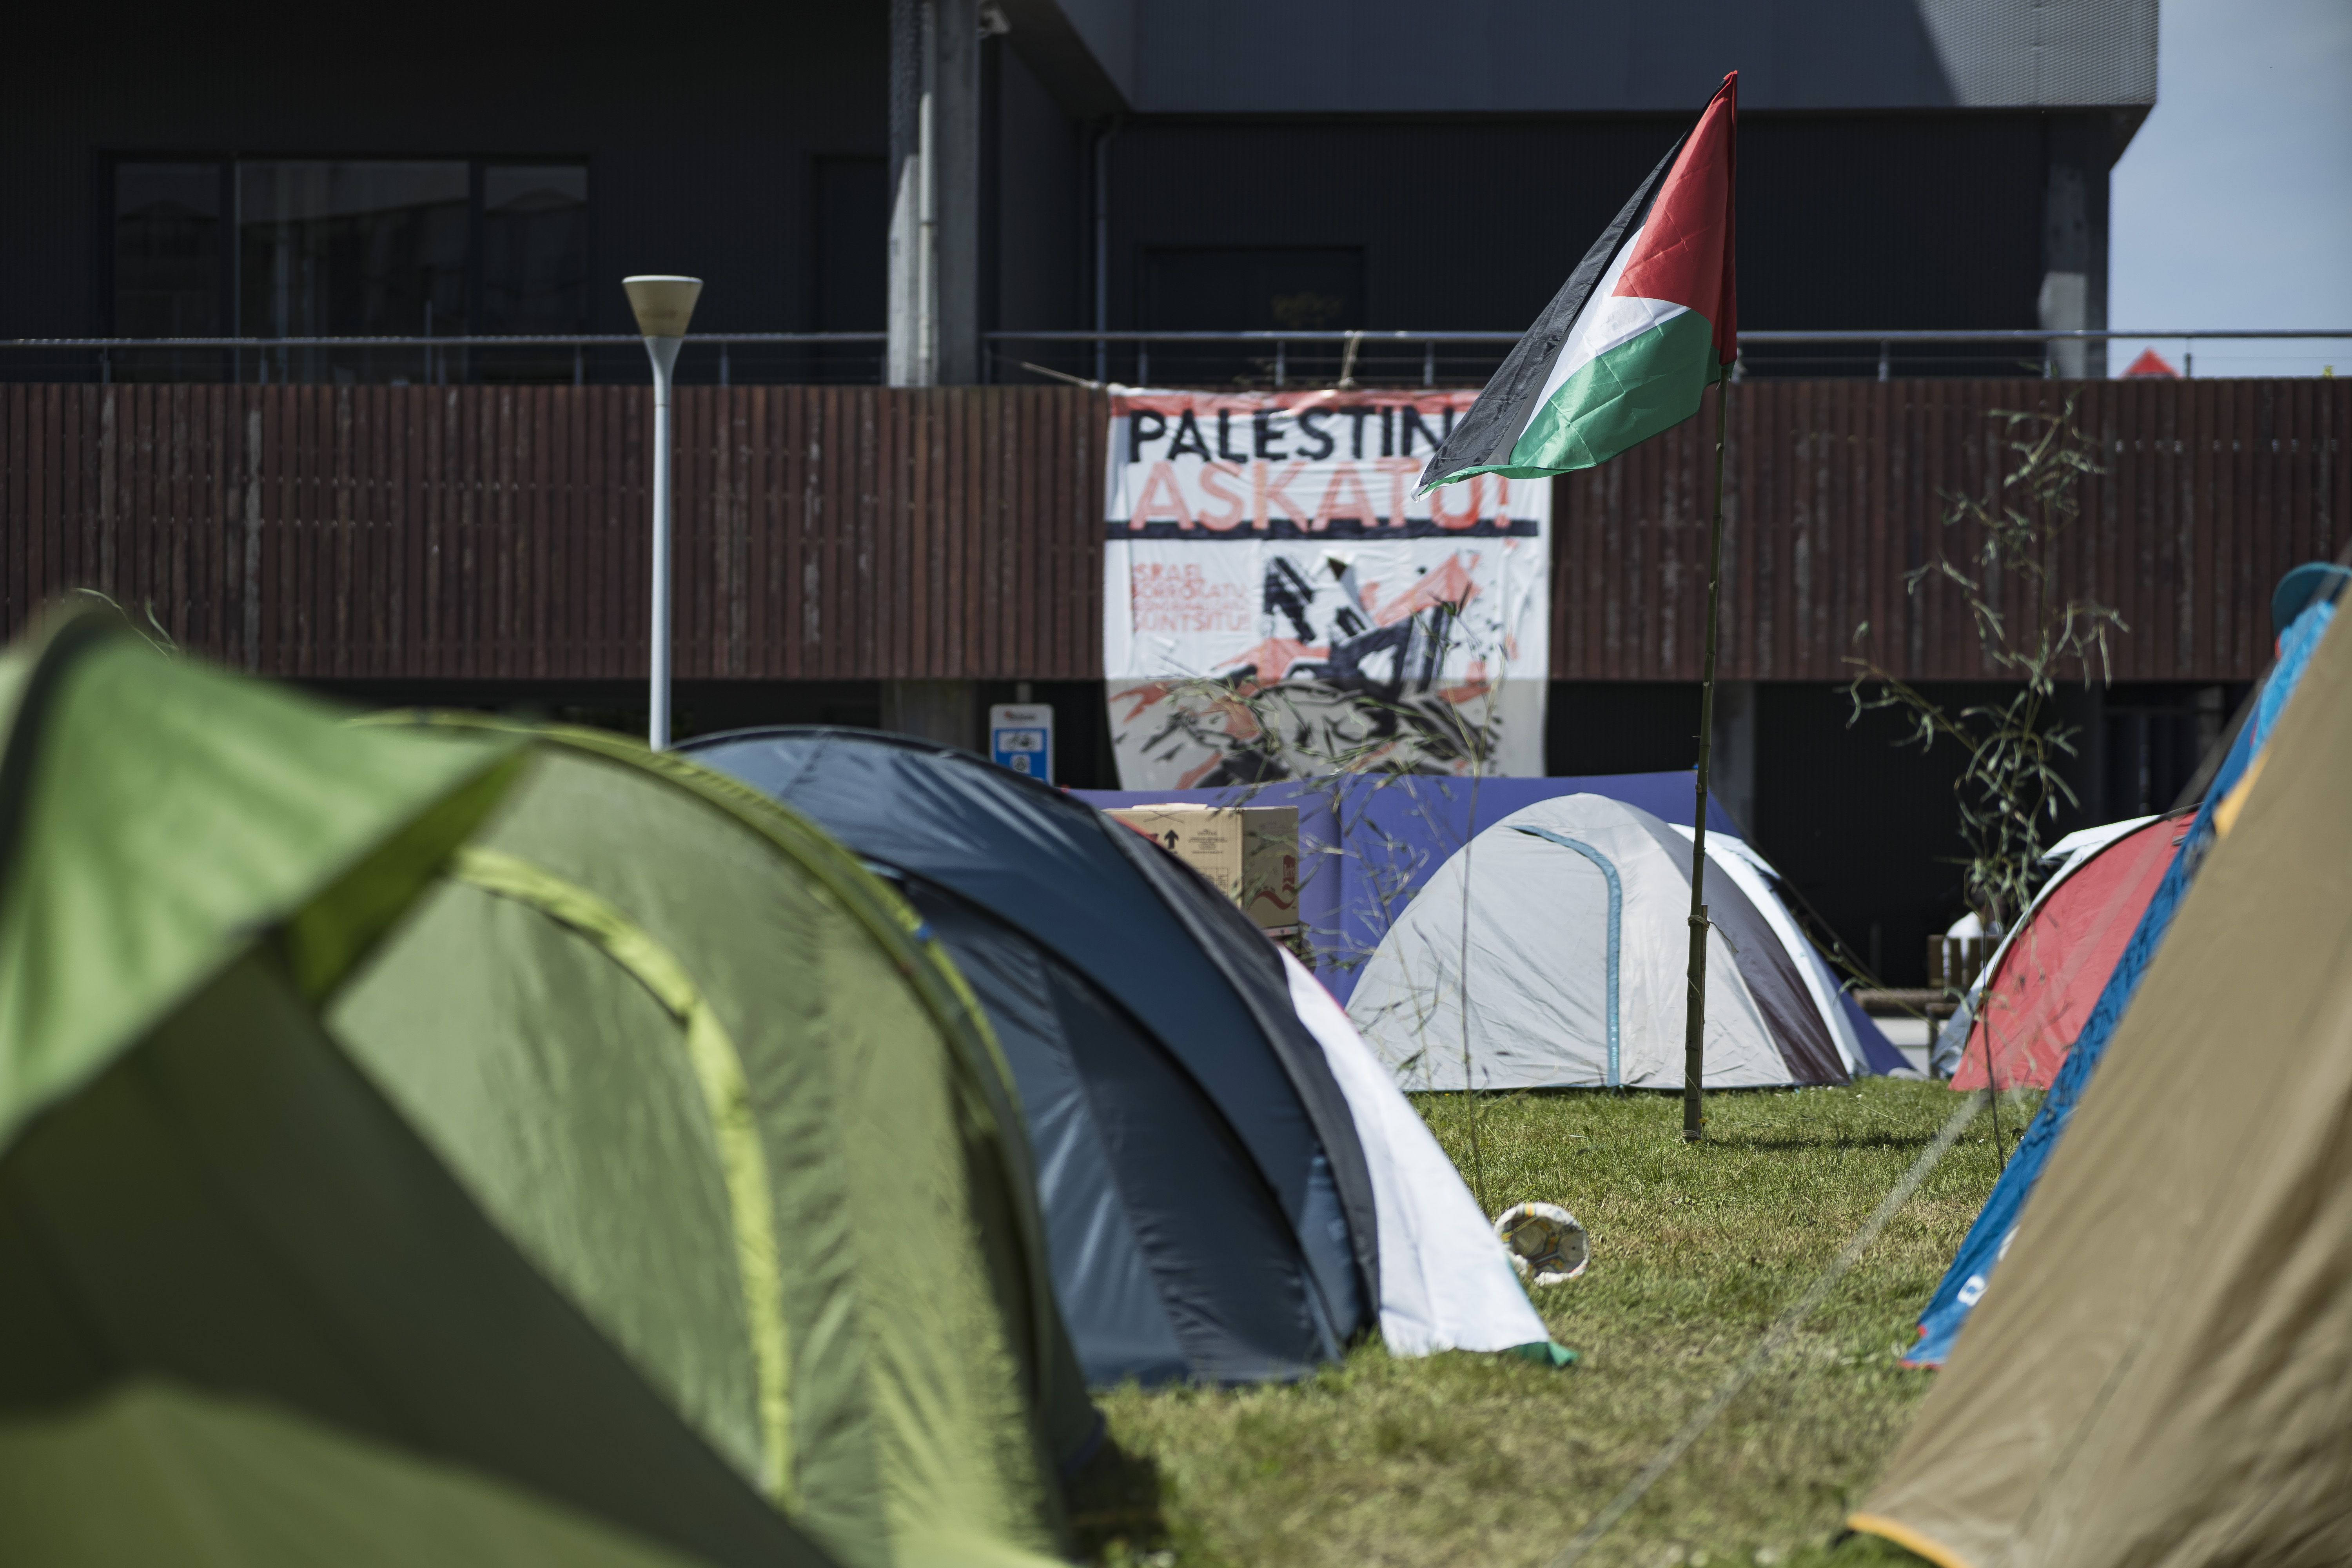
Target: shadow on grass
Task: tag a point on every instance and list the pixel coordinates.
(1865, 1141)
(1114, 1506)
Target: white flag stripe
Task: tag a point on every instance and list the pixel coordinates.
(1607, 322)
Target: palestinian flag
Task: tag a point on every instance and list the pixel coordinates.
(1646, 323)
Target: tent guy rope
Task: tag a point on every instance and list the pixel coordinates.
(1786, 1325)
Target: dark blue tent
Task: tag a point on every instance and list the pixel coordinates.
(1209, 1209)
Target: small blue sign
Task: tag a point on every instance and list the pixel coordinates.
(1021, 738)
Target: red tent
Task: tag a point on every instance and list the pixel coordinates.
(2150, 363)
(2048, 978)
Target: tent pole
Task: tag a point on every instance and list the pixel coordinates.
(1695, 1012)
(1992, 1090)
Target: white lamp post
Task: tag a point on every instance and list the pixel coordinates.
(664, 306)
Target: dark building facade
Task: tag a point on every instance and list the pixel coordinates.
(940, 174)
(1918, 221)
(1387, 165)
(202, 170)
(190, 171)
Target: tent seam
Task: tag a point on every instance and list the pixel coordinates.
(894, 927)
(85, 633)
(726, 1090)
(1616, 918)
(1167, 1058)
(1325, 1116)
(1910, 1540)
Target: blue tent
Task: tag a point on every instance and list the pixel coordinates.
(1208, 1205)
(2305, 595)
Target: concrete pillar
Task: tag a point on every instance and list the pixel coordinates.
(935, 141)
(2074, 241)
(946, 712)
(1732, 768)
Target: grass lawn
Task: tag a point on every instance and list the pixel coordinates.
(1485, 1460)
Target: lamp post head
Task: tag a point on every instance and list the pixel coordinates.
(663, 305)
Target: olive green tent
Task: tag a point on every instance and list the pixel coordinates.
(468, 1144)
(2160, 1373)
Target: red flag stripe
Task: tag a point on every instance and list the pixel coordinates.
(1685, 254)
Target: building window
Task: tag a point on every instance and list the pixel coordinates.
(852, 235)
(361, 250)
(1224, 289)
(299, 248)
(1257, 289)
(534, 247)
(168, 263)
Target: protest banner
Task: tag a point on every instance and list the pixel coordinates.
(1277, 602)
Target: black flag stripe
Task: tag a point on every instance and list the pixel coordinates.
(1483, 436)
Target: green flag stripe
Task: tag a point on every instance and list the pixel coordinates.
(1642, 386)
(1623, 398)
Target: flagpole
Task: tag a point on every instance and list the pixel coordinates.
(1694, 1011)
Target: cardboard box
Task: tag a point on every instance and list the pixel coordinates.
(1207, 839)
(1248, 853)
(1270, 865)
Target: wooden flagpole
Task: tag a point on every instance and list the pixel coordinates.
(1695, 1012)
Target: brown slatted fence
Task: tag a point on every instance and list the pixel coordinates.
(502, 532)
(859, 532)
(1835, 489)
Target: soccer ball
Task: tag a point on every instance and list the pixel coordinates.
(1546, 1244)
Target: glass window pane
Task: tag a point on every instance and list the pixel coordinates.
(1268, 288)
(535, 248)
(351, 248)
(853, 237)
(167, 250)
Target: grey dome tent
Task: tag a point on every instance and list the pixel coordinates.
(476, 1145)
(1571, 914)
(1210, 1198)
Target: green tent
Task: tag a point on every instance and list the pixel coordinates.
(472, 1144)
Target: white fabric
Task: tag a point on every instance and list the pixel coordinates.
(1536, 918)
(1719, 843)
(2079, 843)
(1752, 875)
(1446, 1282)
(1609, 321)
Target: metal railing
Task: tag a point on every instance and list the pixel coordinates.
(1283, 357)
(1350, 345)
(432, 356)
